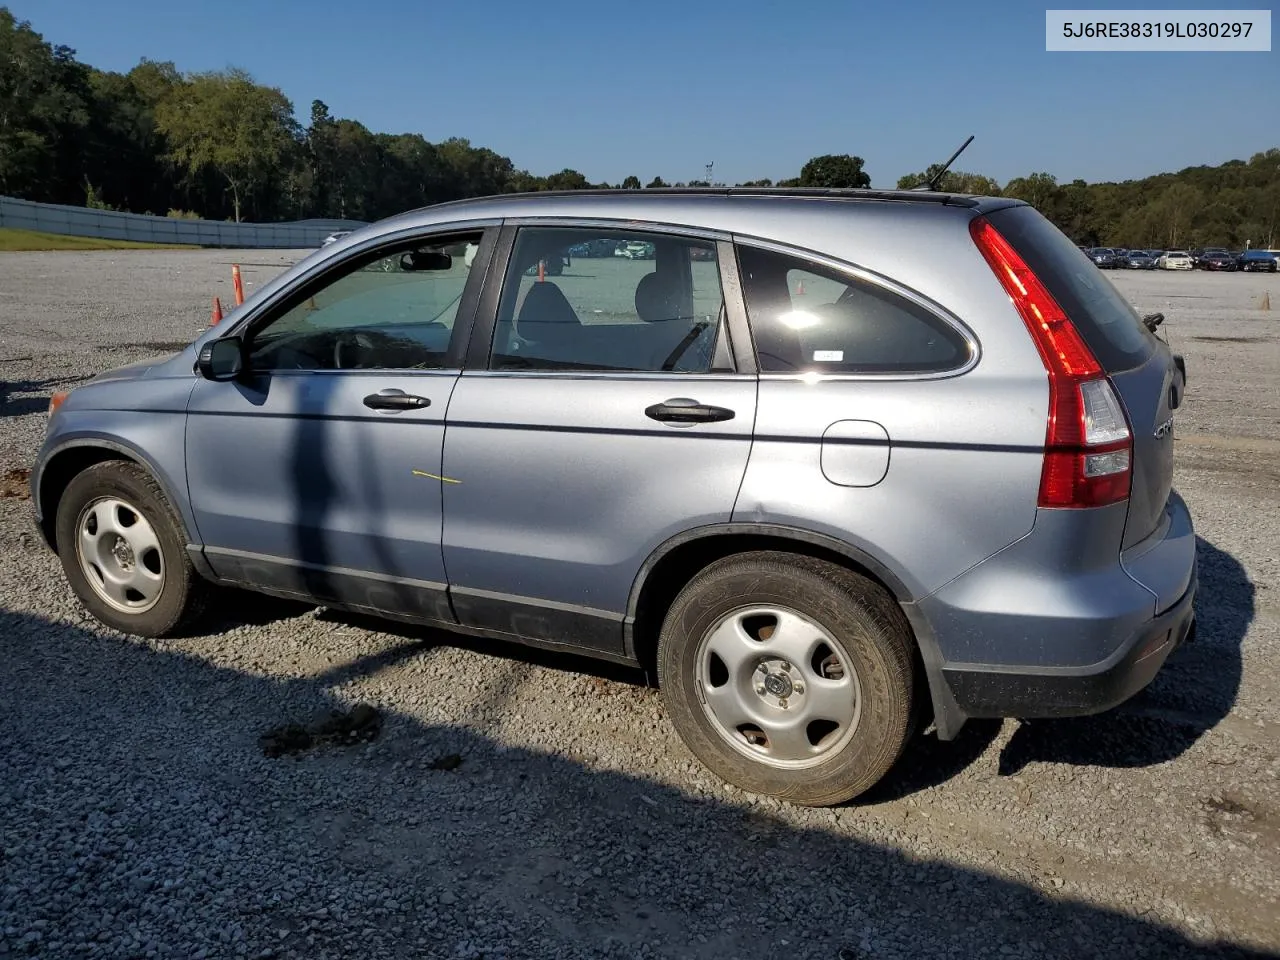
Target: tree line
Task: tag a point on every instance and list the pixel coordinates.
(221, 146)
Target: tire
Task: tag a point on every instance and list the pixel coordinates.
(132, 547)
(843, 636)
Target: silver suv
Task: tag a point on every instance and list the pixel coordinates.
(829, 465)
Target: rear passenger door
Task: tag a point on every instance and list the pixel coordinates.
(602, 411)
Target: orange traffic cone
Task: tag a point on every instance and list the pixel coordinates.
(799, 288)
(237, 283)
(216, 317)
(542, 271)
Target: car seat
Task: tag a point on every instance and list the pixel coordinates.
(548, 319)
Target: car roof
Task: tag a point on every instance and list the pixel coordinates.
(675, 204)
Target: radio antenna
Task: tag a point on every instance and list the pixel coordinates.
(933, 182)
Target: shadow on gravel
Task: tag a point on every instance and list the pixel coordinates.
(11, 406)
(141, 815)
(928, 762)
(423, 637)
(245, 608)
(1192, 693)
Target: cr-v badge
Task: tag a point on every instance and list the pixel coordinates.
(1164, 429)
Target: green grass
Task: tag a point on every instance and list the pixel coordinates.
(14, 239)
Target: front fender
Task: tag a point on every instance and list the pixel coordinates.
(150, 430)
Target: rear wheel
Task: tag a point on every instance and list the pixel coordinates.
(788, 676)
(123, 552)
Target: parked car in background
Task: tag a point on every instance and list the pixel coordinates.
(1175, 260)
(1257, 261)
(1199, 253)
(1139, 260)
(593, 249)
(925, 489)
(636, 250)
(1155, 254)
(1104, 257)
(1219, 260)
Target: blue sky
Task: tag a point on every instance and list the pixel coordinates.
(657, 87)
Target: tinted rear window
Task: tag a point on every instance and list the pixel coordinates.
(808, 317)
(1107, 321)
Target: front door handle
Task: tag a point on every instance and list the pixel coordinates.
(684, 410)
(395, 400)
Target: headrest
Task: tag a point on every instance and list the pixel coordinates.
(657, 298)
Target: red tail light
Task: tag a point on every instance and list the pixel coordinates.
(1088, 456)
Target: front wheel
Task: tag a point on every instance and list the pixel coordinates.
(123, 552)
(788, 676)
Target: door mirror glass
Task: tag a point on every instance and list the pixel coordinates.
(221, 359)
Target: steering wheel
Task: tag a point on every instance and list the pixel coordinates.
(346, 345)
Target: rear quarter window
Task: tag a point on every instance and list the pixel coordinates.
(1107, 321)
(807, 317)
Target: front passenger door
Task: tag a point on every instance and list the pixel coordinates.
(318, 473)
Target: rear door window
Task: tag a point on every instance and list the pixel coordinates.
(808, 317)
(610, 301)
(1109, 324)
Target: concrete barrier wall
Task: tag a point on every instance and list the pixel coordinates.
(111, 225)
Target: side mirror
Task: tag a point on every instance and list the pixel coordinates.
(221, 359)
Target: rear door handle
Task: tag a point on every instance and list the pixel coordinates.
(684, 410)
(395, 400)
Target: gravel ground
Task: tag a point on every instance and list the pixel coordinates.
(519, 804)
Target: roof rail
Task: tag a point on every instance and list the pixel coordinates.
(823, 193)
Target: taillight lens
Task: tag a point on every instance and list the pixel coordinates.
(1088, 459)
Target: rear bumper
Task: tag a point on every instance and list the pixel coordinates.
(1057, 624)
(1076, 691)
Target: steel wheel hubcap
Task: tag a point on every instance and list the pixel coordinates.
(776, 688)
(120, 555)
